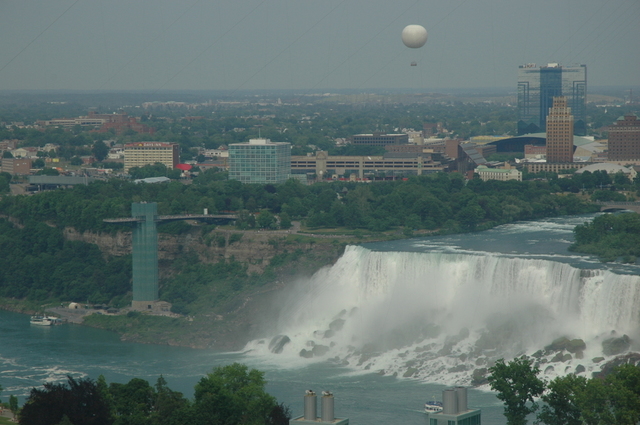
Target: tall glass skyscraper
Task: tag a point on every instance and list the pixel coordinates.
(260, 161)
(537, 86)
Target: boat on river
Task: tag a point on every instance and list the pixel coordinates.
(41, 321)
(433, 406)
(44, 320)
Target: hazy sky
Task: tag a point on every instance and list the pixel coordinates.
(309, 44)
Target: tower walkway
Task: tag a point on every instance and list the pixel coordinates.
(173, 218)
(617, 206)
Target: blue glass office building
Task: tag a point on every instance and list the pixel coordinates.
(260, 161)
(537, 86)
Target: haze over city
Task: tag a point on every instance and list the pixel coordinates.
(310, 45)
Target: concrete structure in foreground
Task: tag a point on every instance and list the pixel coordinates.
(455, 412)
(310, 415)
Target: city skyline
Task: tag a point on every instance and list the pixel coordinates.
(538, 87)
(284, 44)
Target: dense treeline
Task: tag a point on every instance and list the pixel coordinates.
(600, 185)
(232, 395)
(610, 237)
(38, 264)
(566, 400)
(438, 201)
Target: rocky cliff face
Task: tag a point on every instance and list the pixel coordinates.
(239, 321)
(256, 249)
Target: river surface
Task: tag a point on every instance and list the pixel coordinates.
(455, 284)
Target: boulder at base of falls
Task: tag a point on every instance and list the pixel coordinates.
(410, 372)
(610, 366)
(319, 350)
(307, 354)
(561, 358)
(579, 369)
(576, 346)
(277, 343)
(479, 377)
(614, 346)
(558, 344)
(336, 325)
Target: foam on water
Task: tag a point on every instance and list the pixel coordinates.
(438, 316)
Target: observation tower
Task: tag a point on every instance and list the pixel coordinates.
(144, 219)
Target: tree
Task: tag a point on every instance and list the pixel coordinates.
(517, 384)
(79, 400)
(233, 395)
(48, 172)
(76, 160)
(100, 150)
(285, 221)
(170, 407)
(266, 220)
(561, 401)
(13, 405)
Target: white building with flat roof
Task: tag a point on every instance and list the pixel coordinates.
(501, 174)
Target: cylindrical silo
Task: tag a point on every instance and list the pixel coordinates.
(461, 392)
(327, 414)
(310, 406)
(449, 402)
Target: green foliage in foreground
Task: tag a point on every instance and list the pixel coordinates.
(517, 385)
(567, 400)
(610, 237)
(228, 395)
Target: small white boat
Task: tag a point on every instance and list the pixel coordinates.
(433, 407)
(44, 320)
(41, 320)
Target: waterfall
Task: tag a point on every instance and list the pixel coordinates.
(444, 317)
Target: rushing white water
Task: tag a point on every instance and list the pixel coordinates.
(439, 316)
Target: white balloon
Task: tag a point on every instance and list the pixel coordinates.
(414, 36)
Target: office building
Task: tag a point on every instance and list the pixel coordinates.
(624, 139)
(379, 139)
(139, 154)
(560, 132)
(537, 86)
(393, 163)
(501, 174)
(260, 161)
(16, 166)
